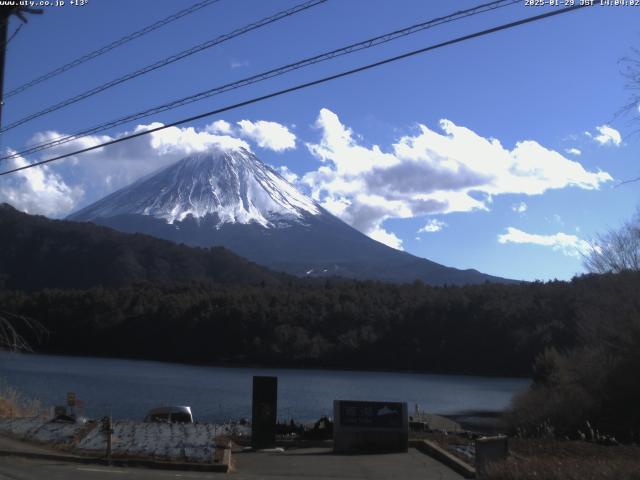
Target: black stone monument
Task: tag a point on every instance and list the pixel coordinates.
(264, 411)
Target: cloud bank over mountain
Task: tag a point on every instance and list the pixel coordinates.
(60, 188)
(431, 171)
(454, 170)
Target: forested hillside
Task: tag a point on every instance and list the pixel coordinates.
(36, 252)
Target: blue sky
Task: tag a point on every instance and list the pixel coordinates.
(467, 155)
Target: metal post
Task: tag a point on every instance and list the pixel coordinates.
(4, 29)
(109, 433)
(107, 428)
(5, 13)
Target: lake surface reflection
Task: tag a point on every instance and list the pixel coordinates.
(129, 388)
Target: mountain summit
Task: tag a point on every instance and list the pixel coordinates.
(233, 199)
(233, 186)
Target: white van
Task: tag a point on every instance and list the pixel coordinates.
(170, 415)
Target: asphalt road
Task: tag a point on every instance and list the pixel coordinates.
(15, 468)
(310, 464)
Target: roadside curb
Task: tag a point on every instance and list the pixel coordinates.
(451, 461)
(222, 467)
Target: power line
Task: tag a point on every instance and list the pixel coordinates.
(167, 61)
(107, 48)
(309, 84)
(369, 43)
(13, 35)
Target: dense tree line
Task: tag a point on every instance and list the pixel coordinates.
(484, 329)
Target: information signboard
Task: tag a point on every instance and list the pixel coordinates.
(370, 426)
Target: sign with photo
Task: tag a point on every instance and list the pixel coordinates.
(371, 414)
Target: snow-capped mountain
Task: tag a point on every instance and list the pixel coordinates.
(234, 186)
(232, 199)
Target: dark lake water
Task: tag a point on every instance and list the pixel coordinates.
(129, 388)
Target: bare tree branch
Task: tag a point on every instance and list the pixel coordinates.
(11, 337)
(617, 250)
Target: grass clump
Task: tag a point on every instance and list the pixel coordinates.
(14, 404)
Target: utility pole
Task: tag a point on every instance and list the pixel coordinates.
(5, 13)
(4, 36)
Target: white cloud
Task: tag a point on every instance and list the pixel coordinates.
(37, 190)
(432, 226)
(288, 175)
(69, 184)
(388, 238)
(573, 151)
(220, 126)
(239, 63)
(270, 135)
(607, 136)
(185, 141)
(519, 207)
(569, 245)
(367, 213)
(338, 148)
(430, 173)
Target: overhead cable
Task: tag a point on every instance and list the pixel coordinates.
(365, 44)
(165, 61)
(107, 48)
(302, 86)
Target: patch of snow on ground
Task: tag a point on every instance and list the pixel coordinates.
(186, 442)
(39, 430)
(163, 441)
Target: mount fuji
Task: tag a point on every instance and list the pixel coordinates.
(233, 199)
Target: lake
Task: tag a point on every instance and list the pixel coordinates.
(129, 388)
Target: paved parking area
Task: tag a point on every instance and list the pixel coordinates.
(322, 464)
(303, 463)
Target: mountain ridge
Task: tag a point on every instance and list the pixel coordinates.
(37, 252)
(234, 200)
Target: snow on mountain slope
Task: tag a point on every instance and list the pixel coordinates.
(234, 185)
(234, 200)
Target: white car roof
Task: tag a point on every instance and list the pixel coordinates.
(170, 409)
